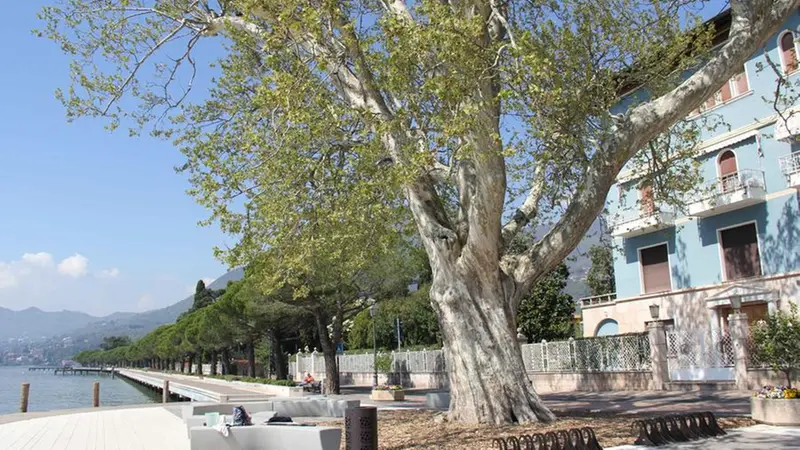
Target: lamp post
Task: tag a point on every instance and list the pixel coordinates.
(655, 311)
(373, 310)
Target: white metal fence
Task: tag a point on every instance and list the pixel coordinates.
(700, 355)
(621, 353)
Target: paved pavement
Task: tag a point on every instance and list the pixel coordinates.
(723, 403)
(756, 437)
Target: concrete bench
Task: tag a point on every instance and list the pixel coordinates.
(267, 437)
(257, 418)
(437, 400)
(200, 409)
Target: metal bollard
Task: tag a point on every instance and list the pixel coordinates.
(361, 428)
(23, 398)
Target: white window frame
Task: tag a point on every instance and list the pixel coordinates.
(641, 267)
(721, 252)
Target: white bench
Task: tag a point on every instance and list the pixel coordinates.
(258, 418)
(267, 437)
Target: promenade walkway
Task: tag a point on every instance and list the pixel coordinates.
(153, 428)
(194, 388)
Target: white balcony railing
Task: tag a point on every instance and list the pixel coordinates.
(790, 166)
(640, 221)
(598, 299)
(737, 190)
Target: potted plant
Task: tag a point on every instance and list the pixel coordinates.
(388, 392)
(776, 343)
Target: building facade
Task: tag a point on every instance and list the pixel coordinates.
(740, 237)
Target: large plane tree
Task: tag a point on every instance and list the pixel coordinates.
(479, 117)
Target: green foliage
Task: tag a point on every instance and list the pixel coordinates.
(383, 363)
(547, 313)
(419, 324)
(600, 278)
(112, 342)
(776, 342)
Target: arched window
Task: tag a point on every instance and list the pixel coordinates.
(788, 52)
(728, 171)
(607, 327)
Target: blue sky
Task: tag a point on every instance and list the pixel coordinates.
(68, 189)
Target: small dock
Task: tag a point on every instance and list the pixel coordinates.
(83, 371)
(42, 368)
(192, 389)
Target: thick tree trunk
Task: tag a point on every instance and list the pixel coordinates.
(198, 369)
(488, 382)
(251, 359)
(226, 361)
(279, 362)
(213, 361)
(329, 353)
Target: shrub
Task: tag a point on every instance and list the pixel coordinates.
(388, 387)
(776, 342)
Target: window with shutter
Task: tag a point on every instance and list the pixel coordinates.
(655, 269)
(647, 204)
(788, 52)
(740, 252)
(739, 81)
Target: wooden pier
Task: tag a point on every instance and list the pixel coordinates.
(83, 371)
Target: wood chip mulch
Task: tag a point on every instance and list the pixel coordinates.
(419, 429)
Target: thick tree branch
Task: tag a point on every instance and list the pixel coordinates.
(529, 208)
(752, 23)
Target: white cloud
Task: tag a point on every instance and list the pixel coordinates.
(7, 277)
(74, 266)
(108, 273)
(41, 259)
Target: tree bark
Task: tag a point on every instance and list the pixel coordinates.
(278, 358)
(213, 361)
(226, 361)
(251, 358)
(488, 382)
(328, 353)
(198, 370)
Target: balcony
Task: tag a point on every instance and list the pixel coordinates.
(636, 222)
(790, 166)
(604, 299)
(735, 191)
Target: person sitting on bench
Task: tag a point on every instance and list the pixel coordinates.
(307, 381)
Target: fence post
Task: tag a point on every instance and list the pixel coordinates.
(658, 354)
(738, 326)
(572, 353)
(544, 355)
(165, 392)
(314, 362)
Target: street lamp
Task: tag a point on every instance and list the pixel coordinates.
(655, 311)
(373, 310)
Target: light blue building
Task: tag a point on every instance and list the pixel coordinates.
(740, 240)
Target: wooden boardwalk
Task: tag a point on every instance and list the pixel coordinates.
(192, 388)
(152, 428)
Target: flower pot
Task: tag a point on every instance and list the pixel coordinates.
(775, 411)
(388, 395)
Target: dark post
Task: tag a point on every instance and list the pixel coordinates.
(165, 392)
(373, 310)
(23, 398)
(96, 394)
(361, 428)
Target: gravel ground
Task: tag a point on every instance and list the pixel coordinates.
(416, 429)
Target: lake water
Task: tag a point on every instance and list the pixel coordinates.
(49, 391)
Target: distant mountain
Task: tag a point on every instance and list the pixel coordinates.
(139, 324)
(33, 323)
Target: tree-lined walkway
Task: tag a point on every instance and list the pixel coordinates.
(196, 388)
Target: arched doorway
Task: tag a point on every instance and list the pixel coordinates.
(728, 171)
(607, 327)
(788, 52)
